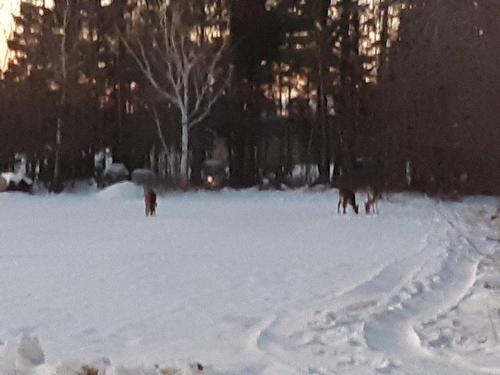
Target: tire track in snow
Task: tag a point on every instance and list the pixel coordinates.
(338, 332)
(371, 329)
(392, 331)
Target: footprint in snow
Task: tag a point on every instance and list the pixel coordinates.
(386, 367)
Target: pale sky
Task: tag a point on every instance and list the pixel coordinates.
(6, 9)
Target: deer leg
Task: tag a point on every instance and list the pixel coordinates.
(370, 203)
(355, 207)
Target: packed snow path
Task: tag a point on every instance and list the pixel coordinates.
(375, 326)
(250, 283)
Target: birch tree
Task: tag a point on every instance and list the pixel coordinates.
(184, 63)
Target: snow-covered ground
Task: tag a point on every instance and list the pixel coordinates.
(247, 283)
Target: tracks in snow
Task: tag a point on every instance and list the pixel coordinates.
(392, 330)
(373, 327)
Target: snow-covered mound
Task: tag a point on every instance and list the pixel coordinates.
(27, 358)
(249, 283)
(15, 178)
(114, 173)
(15, 182)
(122, 191)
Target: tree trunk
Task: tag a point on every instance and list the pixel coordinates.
(322, 104)
(56, 184)
(184, 172)
(197, 157)
(384, 37)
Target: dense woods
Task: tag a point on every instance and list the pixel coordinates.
(296, 91)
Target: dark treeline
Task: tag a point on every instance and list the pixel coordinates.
(298, 90)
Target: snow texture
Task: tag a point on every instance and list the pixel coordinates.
(247, 283)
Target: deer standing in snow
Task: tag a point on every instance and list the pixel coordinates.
(363, 177)
(150, 201)
(347, 197)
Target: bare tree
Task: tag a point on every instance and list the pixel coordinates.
(185, 66)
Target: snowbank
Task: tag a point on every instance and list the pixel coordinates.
(27, 358)
(114, 173)
(15, 182)
(122, 191)
(15, 178)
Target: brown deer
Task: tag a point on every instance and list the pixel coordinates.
(150, 201)
(364, 176)
(347, 197)
(86, 370)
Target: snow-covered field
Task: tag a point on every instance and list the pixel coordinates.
(247, 283)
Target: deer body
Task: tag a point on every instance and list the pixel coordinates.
(363, 177)
(150, 202)
(347, 197)
(371, 206)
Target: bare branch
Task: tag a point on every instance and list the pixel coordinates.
(197, 118)
(158, 126)
(63, 46)
(211, 74)
(144, 65)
